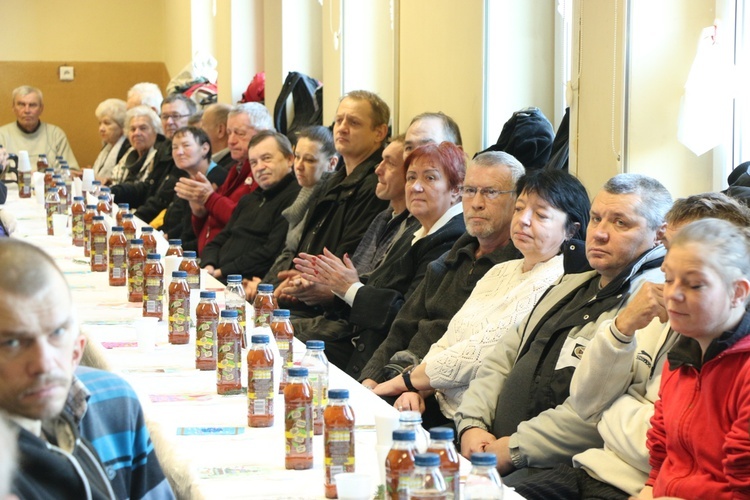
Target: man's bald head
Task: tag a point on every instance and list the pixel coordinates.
(27, 269)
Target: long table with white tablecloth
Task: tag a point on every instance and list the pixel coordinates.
(202, 438)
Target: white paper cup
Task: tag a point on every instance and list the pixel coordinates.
(385, 424)
(24, 165)
(60, 224)
(145, 331)
(87, 177)
(171, 264)
(353, 486)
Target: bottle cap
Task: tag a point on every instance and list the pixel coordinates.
(98, 218)
(127, 216)
(98, 183)
(92, 207)
(51, 190)
(78, 198)
(338, 393)
(189, 254)
(208, 295)
(59, 183)
(410, 417)
(315, 345)
(102, 197)
(49, 169)
(179, 274)
(65, 165)
(260, 339)
(147, 229)
(427, 460)
(298, 371)
(117, 228)
(105, 189)
(136, 241)
(153, 256)
(404, 435)
(234, 278)
(284, 313)
(124, 206)
(229, 314)
(265, 287)
(484, 459)
(175, 242)
(442, 433)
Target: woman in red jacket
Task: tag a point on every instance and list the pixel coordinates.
(700, 436)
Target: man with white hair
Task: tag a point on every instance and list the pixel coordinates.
(29, 133)
(145, 93)
(211, 207)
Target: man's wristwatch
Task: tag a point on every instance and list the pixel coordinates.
(406, 374)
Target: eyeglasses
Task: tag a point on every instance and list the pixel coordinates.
(174, 117)
(469, 192)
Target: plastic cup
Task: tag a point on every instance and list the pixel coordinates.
(87, 177)
(385, 424)
(60, 224)
(353, 486)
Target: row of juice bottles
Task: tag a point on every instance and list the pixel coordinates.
(433, 473)
(60, 167)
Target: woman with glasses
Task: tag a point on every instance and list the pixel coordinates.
(551, 207)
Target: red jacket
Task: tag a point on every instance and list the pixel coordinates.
(700, 436)
(221, 203)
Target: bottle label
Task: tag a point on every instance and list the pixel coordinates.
(154, 288)
(260, 391)
(78, 227)
(178, 315)
(135, 277)
(299, 429)
(339, 451)
(205, 335)
(229, 362)
(194, 281)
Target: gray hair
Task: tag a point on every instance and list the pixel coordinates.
(7, 457)
(497, 158)
(114, 108)
(149, 92)
(25, 90)
(727, 245)
(188, 102)
(450, 127)
(260, 118)
(655, 199)
(146, 111)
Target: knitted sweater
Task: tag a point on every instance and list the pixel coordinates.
(499, 301)
(46, 139)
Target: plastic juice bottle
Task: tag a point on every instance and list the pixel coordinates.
(317, 364)
(206, 321)
(175, 248)
(179, 309)
(153, 287)
(149, 240)
(122, 209)
(102, 207)
(399, 464)
(51, 201)
(62, 191)
(49, 173)
(229, 354)
(68, 180)
(24, 184)
(483, 482)
(41, 163)
(136, 263)
(283, 332)
(190, 265)
(413, 420)
(99, 245)
(95, 187)
(118, 258)
(107, 193)
(58, 162)
(428, 483)
(263, 304)
(441, 442)
(259, 382)
(88, 221)
(78, 209)
(234, 300)
(128, 227)
(338, 438)
(298, 422)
